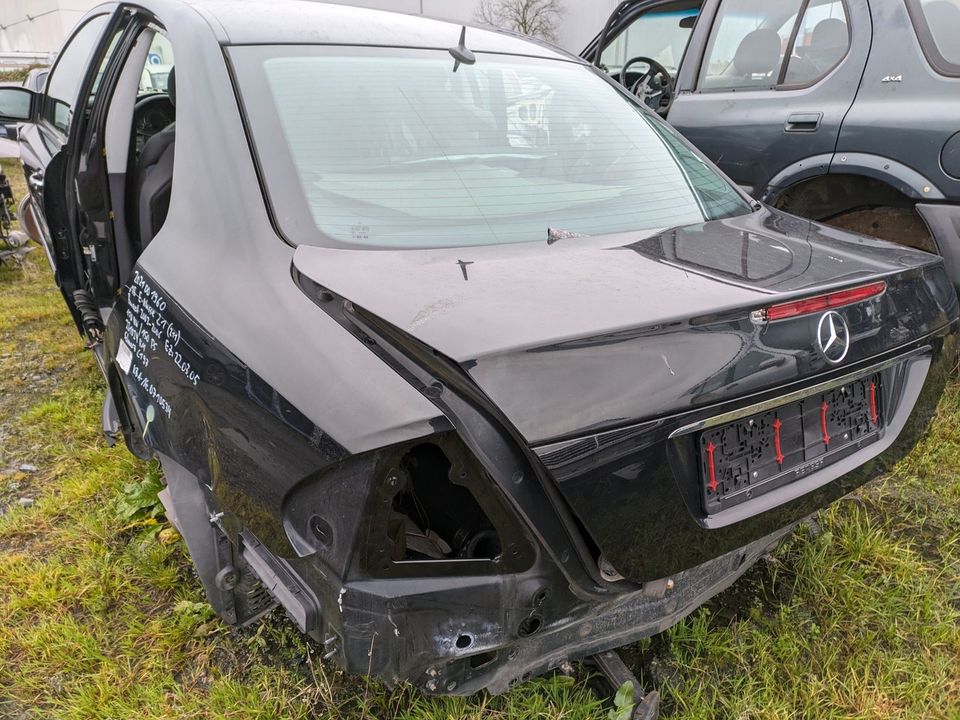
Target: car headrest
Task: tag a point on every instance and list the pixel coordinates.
(829, 34)
(758, 53)
(172, 86)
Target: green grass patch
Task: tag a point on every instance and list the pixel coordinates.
(857, 617)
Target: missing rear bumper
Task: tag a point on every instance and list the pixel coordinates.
(457, 636)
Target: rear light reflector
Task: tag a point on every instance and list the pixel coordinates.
(824, 302)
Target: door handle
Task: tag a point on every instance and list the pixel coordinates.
(35, 181)
(803, 122)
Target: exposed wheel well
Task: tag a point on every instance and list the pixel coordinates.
(861, 204)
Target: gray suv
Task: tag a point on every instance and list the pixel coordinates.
(844, 111)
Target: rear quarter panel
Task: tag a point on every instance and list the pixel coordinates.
(906, 120)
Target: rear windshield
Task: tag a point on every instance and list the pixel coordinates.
(388, 148)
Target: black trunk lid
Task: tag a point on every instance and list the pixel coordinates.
(613, 357)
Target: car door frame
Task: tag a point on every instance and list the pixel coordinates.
(91, 188)
(120, 411)
(75, 181)
(58, 193)
(46, 154)
(689, 70)
(629, 11)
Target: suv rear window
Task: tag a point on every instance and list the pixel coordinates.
(390, 148)
(937, 23)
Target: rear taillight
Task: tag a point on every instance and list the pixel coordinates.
(819, 303)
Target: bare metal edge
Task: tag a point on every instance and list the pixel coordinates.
(797, 394)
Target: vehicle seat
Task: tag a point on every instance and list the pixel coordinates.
(758, 54)
(828, 43)
(155, 176)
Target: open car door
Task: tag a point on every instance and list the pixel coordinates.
(52, 128)
(63, 147)
(643, 44)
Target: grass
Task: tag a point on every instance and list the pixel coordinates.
(17, 75)
(857, 616)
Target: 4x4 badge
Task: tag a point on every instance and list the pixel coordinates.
(893, 78)
(833, 337)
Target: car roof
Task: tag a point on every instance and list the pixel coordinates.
(253, 22)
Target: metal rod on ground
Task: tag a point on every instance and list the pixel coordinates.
(645, 707)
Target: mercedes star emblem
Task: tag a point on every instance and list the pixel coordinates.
(833, 337)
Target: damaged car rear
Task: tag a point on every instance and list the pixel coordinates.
(450, 347)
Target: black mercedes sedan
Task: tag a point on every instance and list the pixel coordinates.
(446, 344)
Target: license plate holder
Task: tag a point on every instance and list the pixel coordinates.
(746, 458)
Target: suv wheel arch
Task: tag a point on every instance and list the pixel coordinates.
(860, 203)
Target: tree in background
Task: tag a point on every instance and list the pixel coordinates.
(537, 18)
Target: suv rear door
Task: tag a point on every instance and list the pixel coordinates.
(764, 86)
(774, 84)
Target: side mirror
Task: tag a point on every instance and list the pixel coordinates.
(688, 22)
(16, 104)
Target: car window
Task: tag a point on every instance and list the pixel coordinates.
(156, 71)
(937, 23)
(155, 80)
(63, 83)
(747, 44)
(821, 42)
(661, 34)
(391, 148)
(14, 104)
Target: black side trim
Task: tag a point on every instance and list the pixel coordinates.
(282, 584)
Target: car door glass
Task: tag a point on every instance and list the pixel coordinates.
(63, 83)
(156, 71)
(154, 109)
(747, 44)
(938, 27)
(661, 34)
(15, 103)
(821, 42)
(943, 17)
